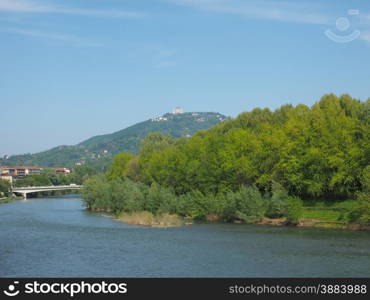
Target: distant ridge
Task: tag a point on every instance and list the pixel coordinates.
(99, 150)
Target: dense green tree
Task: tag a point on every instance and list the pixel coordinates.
(276, 206)
(119, 167)
(35, 180)
(160, 200)
(81, 173)
(152, 144)
(4, 187)
(96, 193)
(293, 152)
(361, 213)
(312, 152)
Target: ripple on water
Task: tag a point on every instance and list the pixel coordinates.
(57, 237)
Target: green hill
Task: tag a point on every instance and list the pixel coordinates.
(99, 150)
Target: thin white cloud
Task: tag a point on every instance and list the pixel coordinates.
(37, 6)
(70, 39)
(21, 6)
(261, 9)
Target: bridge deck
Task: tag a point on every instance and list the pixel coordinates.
(34, 189)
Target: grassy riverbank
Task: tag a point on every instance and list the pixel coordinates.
(9, 199)
(320, 214)
(327, 214)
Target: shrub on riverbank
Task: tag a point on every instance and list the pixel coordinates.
(294, 210)
(245, 204)
(123, 196)
(277, 203)
(361, 213)
(4, 188)
(138, 203)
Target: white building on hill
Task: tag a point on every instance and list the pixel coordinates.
(178, 110)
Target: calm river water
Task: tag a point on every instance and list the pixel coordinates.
(57, 237)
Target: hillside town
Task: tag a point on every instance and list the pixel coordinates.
(9, 173)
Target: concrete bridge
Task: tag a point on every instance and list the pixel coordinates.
(34, 189)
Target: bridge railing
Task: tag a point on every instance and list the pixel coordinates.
(48, 187)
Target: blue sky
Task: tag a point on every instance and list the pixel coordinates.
(74, 69)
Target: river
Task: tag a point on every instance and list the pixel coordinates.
(57, 237)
